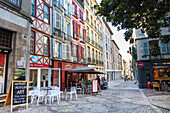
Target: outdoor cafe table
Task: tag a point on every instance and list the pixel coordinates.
(46, 89)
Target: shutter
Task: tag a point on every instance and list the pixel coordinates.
(64, 51)
(62, 24)
(146, 48)
(57, 20)
(73, 26)
(79, 30)
(82, 56)
(76, 28)
(169, 47)
(65, 5)
(69, 51)
(54, 18)
(54, 55)
(72, 47)
(84, 34)
(163, 48)
(78, 52)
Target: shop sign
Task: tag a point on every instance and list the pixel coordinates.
(17, 94)
(140, 64)
(34, 59)
(19, 74)
(94, 85)
(38, 65)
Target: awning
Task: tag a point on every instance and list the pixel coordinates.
(87, 70)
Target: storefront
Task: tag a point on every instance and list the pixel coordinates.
(161, 70)
(66, 77)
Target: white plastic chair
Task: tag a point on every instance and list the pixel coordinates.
(52, 95)
(73, 91)
(33, 94)
(58, 90)
(41, 96)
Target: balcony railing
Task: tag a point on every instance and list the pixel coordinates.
(81, 3)
(59, 32)
(82, 19)
(97, 61)
(60, 6)
(67, 37)
(75, 58)
(87, 2)
(91, 23)
(93, 60)
(93, 41)
(15, 2)
(67, 13)
(88, 38)
(89, 59)
(87, 19)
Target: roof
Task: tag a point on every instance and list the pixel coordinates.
(107, 25)
(115, 44)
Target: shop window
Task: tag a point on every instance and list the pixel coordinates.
(46, 14)
(46, 46)
(161, 72)
(33, 7)
(2, 72)
(32, 42)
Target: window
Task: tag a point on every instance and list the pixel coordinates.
(58, 19)
(81, 32)
(146, 48)
(46, 14)
(106, 48)
(165, 47)
(88, 49)
(5, 38)
(68, 51)
(46, 46)
(75, 50)
(33, 7)
(57, 50)
(92, 53)
(91, 34)
(96, 55)
(32, 41)
(87, 31)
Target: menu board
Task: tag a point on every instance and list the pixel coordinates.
(94, 85)
(19, 93)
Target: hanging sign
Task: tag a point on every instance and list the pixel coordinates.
(94, 85)
(17, 94)
(19, 74)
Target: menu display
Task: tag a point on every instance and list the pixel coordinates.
(94, 85)
(19, 93)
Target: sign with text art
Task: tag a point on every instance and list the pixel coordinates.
(19, 74)
(17, 94)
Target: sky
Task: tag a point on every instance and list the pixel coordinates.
(120, 41)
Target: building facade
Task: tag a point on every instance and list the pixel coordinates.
(107, 50)
(94, 43)
(40, 42)
(15, 24)
(155, 57)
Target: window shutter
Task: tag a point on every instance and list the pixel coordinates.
(62, 24)
(73, 26)
(146, 48)
(57, 20)
(79, 30)
(54, 18)
(78, 52)
(163, 48)
(84, 34)
(64, 51)
(72, 47)
(169, 47)
(82, 49)
(69, 51)
(65, 5)
(76, 28)
(54, 55)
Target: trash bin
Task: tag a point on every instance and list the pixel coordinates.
(149, 84)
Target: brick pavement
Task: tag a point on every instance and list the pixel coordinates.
(120, 97)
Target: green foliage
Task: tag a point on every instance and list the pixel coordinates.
(155, 50)
(134, 53)
(149, 15)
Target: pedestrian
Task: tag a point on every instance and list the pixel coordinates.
(83, 85)
(99, 85)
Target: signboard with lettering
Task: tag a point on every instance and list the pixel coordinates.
(19, 74)
(94, 85)
(17, 94)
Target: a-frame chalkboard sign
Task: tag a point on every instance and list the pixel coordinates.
(17, 94)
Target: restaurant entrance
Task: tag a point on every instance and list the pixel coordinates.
(2, 72)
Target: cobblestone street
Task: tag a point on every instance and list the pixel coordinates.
(121, 97)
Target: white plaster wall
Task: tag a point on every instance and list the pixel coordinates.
(11, 17)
